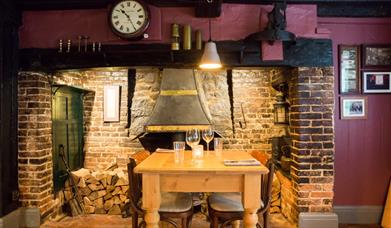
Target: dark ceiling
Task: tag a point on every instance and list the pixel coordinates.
(326, 8)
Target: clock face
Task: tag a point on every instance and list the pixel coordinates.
(129, 18)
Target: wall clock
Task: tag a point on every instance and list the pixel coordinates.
(129, 18)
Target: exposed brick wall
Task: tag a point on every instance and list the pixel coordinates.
(311, 127)
(111, 142)
(35, 143)
(311, 94)
(252, 91)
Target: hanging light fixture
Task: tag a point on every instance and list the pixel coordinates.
(210, 58)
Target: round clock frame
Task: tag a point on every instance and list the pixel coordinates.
(139, 26)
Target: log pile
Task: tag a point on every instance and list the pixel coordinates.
(103, 191)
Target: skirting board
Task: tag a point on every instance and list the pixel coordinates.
(318, 220)
(359, 214)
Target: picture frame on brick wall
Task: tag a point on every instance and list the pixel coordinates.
(111, 103)
(353, 107)
(349, 69)
(376, 82)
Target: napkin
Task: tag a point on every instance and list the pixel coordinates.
(244, 162)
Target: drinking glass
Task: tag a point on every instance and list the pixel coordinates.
(193, 137)
(207, 136)
(197, 154)
(218, 145)
(179, 150)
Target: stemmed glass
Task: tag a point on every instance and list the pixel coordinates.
(207, 136)
(193, 137)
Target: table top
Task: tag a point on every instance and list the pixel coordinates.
(160, 162)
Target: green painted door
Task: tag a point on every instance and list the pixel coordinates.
(67, 117)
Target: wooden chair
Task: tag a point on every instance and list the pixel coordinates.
(173, 205)
(224, 208)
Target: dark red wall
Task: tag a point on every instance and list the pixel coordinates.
(362, 147)
(43, 29)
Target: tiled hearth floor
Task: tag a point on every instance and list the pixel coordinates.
(115, 221)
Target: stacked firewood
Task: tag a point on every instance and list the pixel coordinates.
(102, 191)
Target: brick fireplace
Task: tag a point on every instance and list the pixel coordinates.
(308, 188)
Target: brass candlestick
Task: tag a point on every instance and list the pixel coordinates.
(86, 43)
(79, 38)
(175, 37)
(68, 46)
(60, 46)
(198, 38)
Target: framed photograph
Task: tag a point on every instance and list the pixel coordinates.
(354, 107)
(349, 73)
(376, 82)
(111, 101)
(375, 56)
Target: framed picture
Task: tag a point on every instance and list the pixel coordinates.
(376, 82)
(354, 107)
(375, 56)
(349, 73)
(111, 101)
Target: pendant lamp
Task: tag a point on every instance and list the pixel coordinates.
(210, 58)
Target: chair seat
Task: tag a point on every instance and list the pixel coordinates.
(175, 202)
(227, 202)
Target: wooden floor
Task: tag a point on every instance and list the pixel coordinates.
(116, 221)
(199, 221)
(358, 226)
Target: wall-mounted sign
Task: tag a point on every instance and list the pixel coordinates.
(111, 103)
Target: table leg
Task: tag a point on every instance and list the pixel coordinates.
(251, 199)
(236, 224)
(151, 199)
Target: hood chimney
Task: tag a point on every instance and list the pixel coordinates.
(178, 107)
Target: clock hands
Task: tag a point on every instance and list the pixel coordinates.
(131, 22)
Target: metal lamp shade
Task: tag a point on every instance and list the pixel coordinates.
(210, 59)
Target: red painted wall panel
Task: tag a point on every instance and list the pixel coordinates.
(43, 29)
(362, 147)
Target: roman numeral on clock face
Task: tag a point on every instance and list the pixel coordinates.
(129, 18)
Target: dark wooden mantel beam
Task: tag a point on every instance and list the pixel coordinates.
(303, 52)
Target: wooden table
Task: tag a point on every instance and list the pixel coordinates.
(160, 173)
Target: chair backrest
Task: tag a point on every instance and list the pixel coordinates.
(135, 184)
(267, 184)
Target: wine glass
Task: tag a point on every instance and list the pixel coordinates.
(207, 136)
(193, 137)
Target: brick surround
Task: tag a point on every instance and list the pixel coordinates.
(35, 143)
(310, 94)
